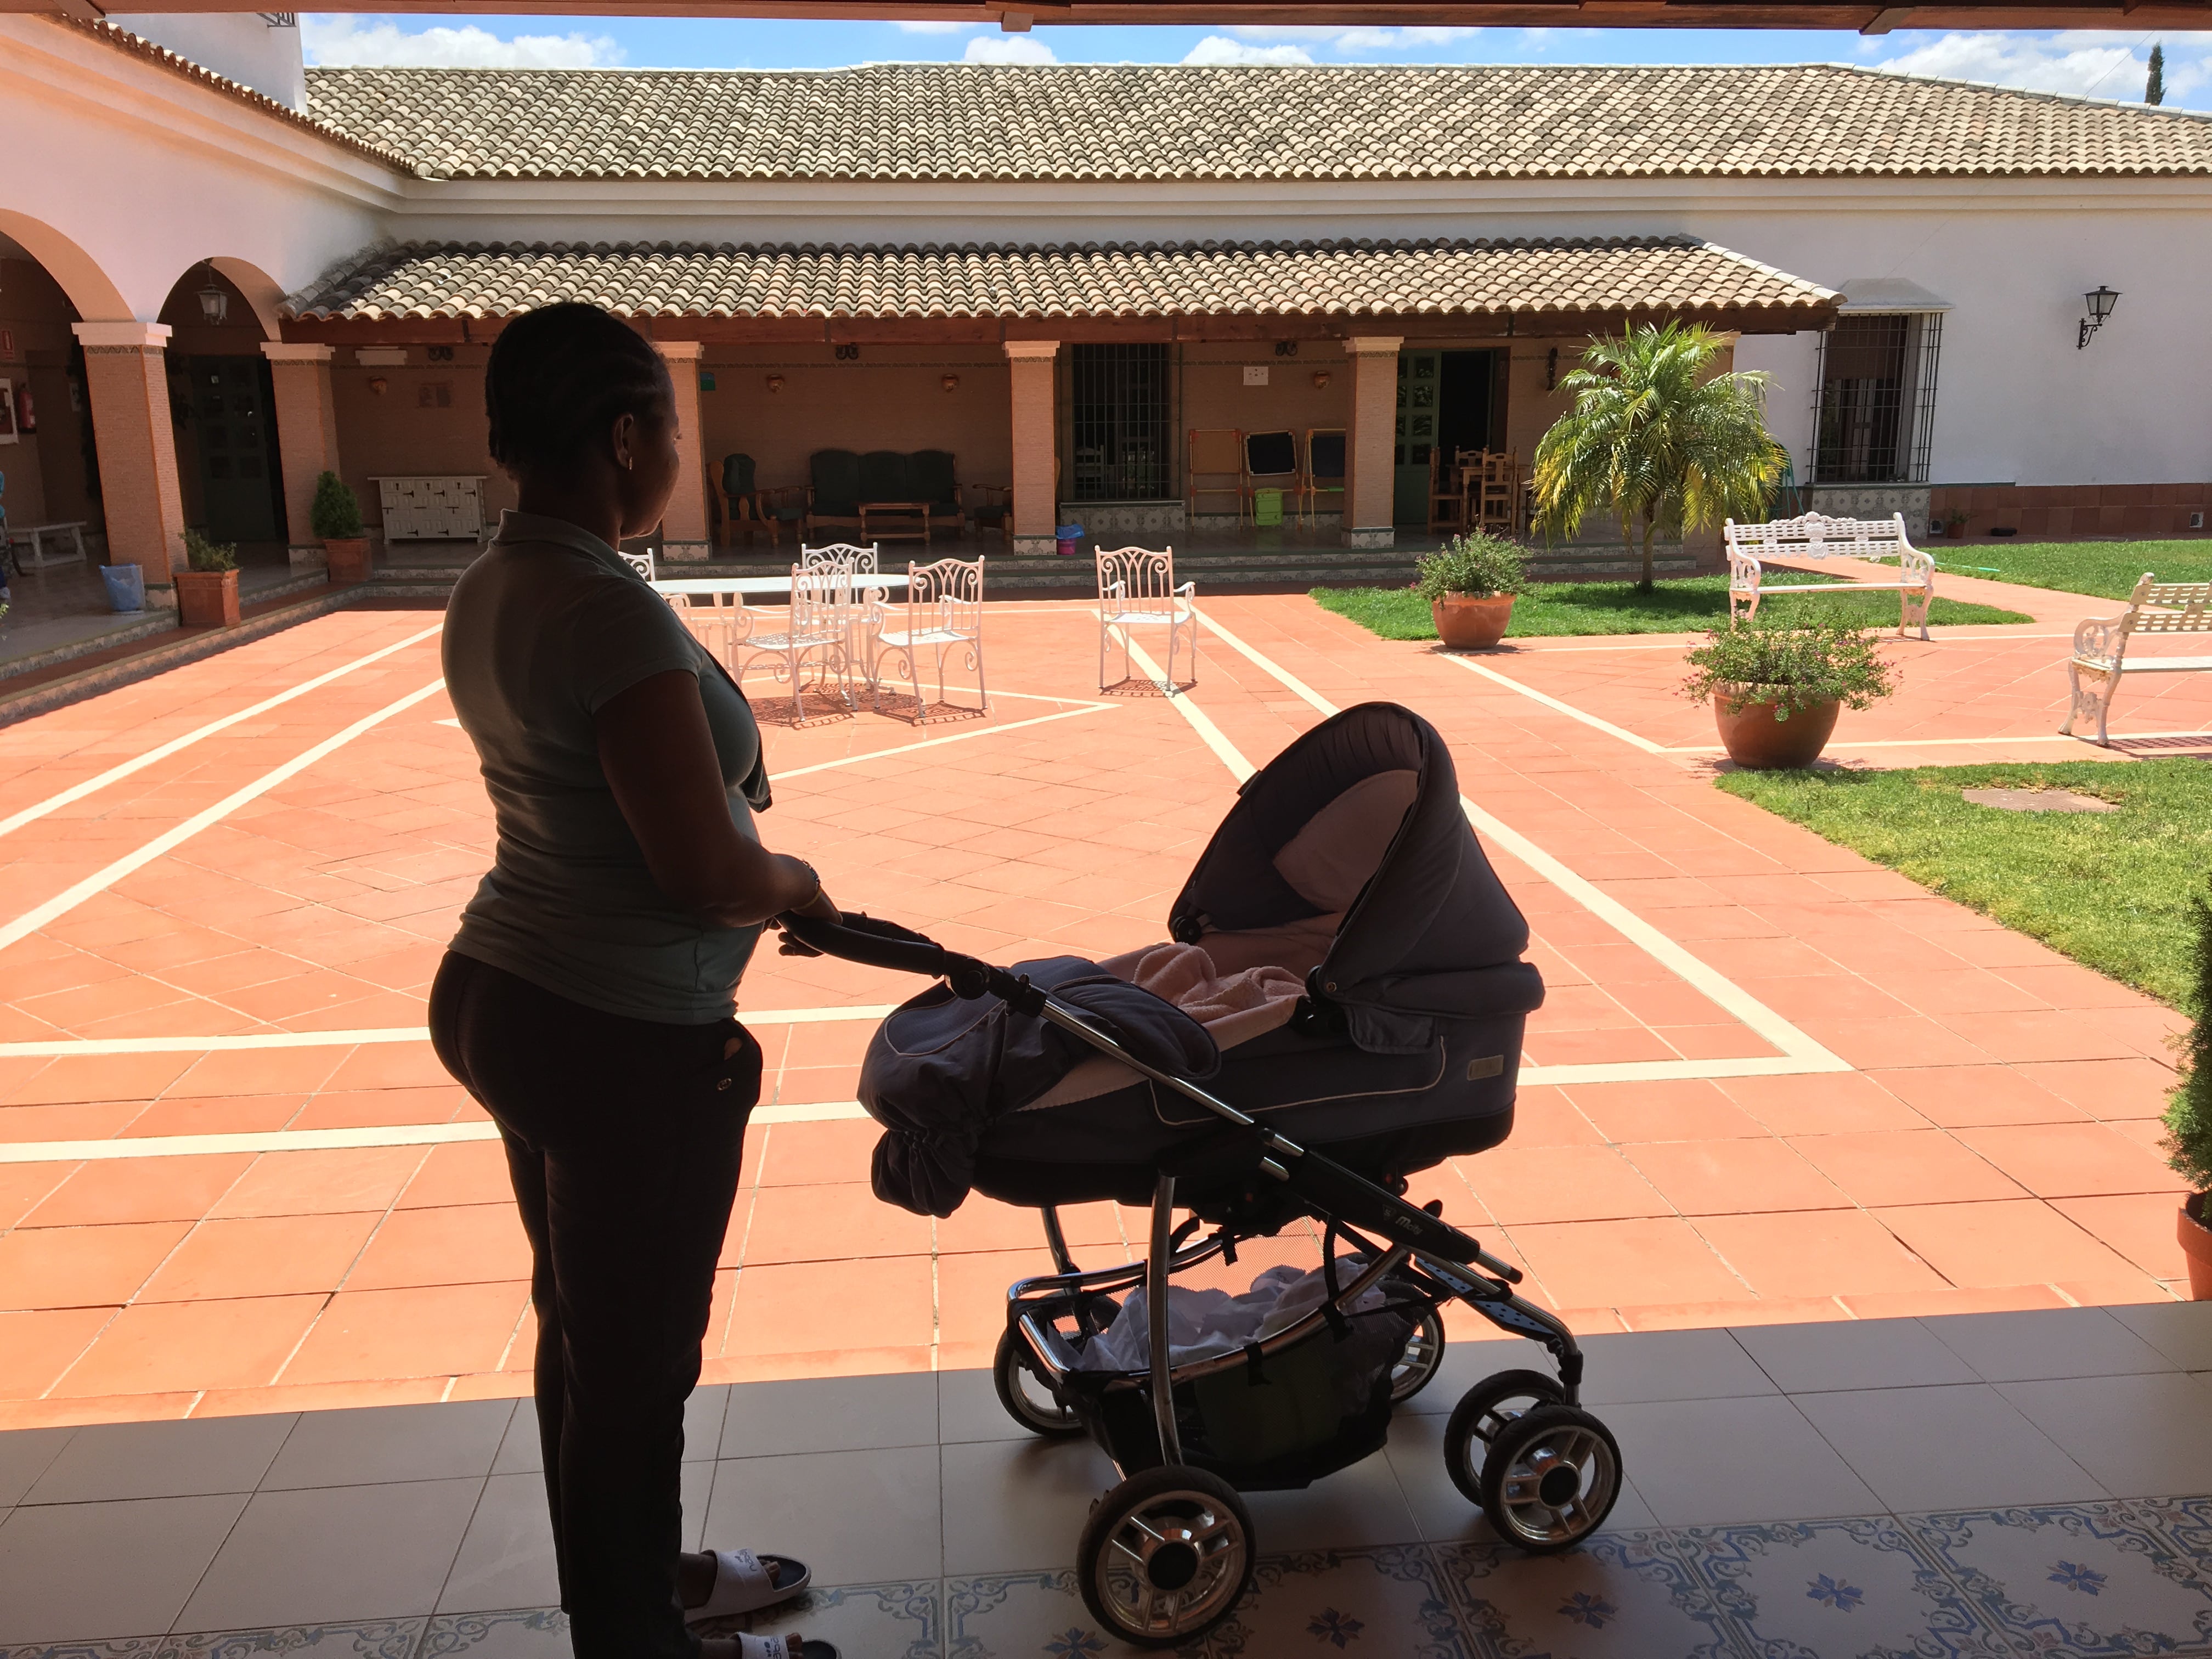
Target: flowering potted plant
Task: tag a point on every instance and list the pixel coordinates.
(1470, 586)
(207, 593)
(2189, 1121)
(335, 516)
(1776, 690)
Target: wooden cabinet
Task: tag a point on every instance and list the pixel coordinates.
(447, 509)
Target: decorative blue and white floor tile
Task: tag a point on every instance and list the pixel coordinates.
(1027, 1615)
(1388, 1604)
(2078, 1581)
(524, 1633)
(1840, 1589)
(1626, 1595)
(880, 1621)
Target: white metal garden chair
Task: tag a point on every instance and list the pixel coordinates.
(817, 634)
(1137, 592)
(944, 612)
(642, 563)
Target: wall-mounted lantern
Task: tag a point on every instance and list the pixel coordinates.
(2098, 303)
(951, 383)
(377, 385)
(1321, 380)
(215, 302)
(775, 383)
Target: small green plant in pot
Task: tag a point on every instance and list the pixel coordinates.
(2188, 1119)
(335, 517)
(1776, 690)
(207, 591)
(1469, 585)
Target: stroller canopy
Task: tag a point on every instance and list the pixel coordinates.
(1429, 929)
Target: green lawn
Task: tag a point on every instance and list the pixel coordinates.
(2111, 889)
(1678, 604)
(2109, 568)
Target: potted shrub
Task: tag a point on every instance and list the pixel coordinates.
(207, 593)
(2189, 1121)
(336, 519)
(1470, 586)
(1776, 690)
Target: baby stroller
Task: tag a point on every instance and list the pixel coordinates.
(1348, 862)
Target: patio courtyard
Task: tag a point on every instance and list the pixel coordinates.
(1856, 1193)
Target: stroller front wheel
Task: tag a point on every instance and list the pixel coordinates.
(1550, 1478)
(1165, 1556)
(1423, 1358)
(1024, 1393)
(1483, 1412)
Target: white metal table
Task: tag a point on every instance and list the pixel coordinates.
(760, 585)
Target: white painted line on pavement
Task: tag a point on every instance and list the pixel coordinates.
(101, 880)
(1805, 1054)
(77, 792)
(934, 743)
(1555, 705)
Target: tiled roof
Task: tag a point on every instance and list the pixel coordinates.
(955, 121)
(1309, 279)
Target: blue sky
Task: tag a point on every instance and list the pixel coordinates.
(2095, 64)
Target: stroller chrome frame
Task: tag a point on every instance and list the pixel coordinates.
(1167, 1554)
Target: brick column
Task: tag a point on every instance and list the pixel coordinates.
(1369, 456)
(1037, 506)
(684, 533)
(306, 434)
(127, 380)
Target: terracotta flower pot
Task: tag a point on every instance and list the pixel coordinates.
(207, 598)
(1755, 740)
(2196, 1244)
(348, 558)
(1469, 622)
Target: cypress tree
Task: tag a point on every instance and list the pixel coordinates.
(2154, 89)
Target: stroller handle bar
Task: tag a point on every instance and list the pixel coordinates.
(1322, 1182)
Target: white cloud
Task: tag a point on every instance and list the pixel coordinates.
(349, 41)
(1334, 37)
(1007, 49)
(937, 29)
(1218, 52)
(2084, 63)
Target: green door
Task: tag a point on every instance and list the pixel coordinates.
(235, 430)
(1417, 380)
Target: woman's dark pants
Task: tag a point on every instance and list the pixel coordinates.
(624, 1139)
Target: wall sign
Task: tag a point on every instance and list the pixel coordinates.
(1255, 374)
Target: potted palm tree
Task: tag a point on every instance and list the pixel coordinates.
(1776, 690)
(1658, 439)
(1470, 586)
(207, 592)
(2189, 1121)
(335, 516)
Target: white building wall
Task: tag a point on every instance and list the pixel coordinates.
(242, 45)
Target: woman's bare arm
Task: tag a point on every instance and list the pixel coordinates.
(658, 756)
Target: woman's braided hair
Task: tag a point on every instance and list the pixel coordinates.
(559, 378)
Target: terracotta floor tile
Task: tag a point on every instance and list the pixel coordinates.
(1766, 1310)
(2105, 1089)
(2013, 1241)
(425, 1331)
(82, 1267)
(1905, 1166)
(1626, 1263)
(462, 1172)
(2140, 1226)
(1545, 1116)
(455, 1244)
(1924, 1304)
(215, 1115)
(1817, 1253)
(1956, 1097)
(2073, 1160)
(232, 1072)
(350, 1108)
(801, 1307)
(2047, 1034)
(1560, 1183)
(37, 1347)
(324, 1397)
(322, 1182)
(73, 1078)
(1732, 1178)
(1628, 1113)
(158, 1346)
(1917, 1040)
(840, 1221)
(262, 1255)
(141, 1189)
(971, 1289)
(1093, 1231)
(24, 1187)
(58, 1412)
(800, 1154)
(1823, 1103)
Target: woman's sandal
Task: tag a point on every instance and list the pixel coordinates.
(745, 1582)
(765, 1647)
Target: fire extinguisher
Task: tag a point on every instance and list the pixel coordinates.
(26, 414)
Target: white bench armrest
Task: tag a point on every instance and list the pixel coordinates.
(2101, 641)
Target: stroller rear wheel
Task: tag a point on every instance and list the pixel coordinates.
(1482, 1412)
(1023, 1393)
(1165, 1556)
(1551, 1479)
(1424, 1357)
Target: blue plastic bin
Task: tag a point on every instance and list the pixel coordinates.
(1068, 535)
(127, 586)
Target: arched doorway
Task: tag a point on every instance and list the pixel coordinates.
(49, 456)
(222, 401)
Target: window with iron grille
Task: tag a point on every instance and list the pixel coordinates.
(1123, 424)
(1877, 399)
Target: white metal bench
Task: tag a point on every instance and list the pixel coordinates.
(1817, 536)
(2100, 645)
(35, 536)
